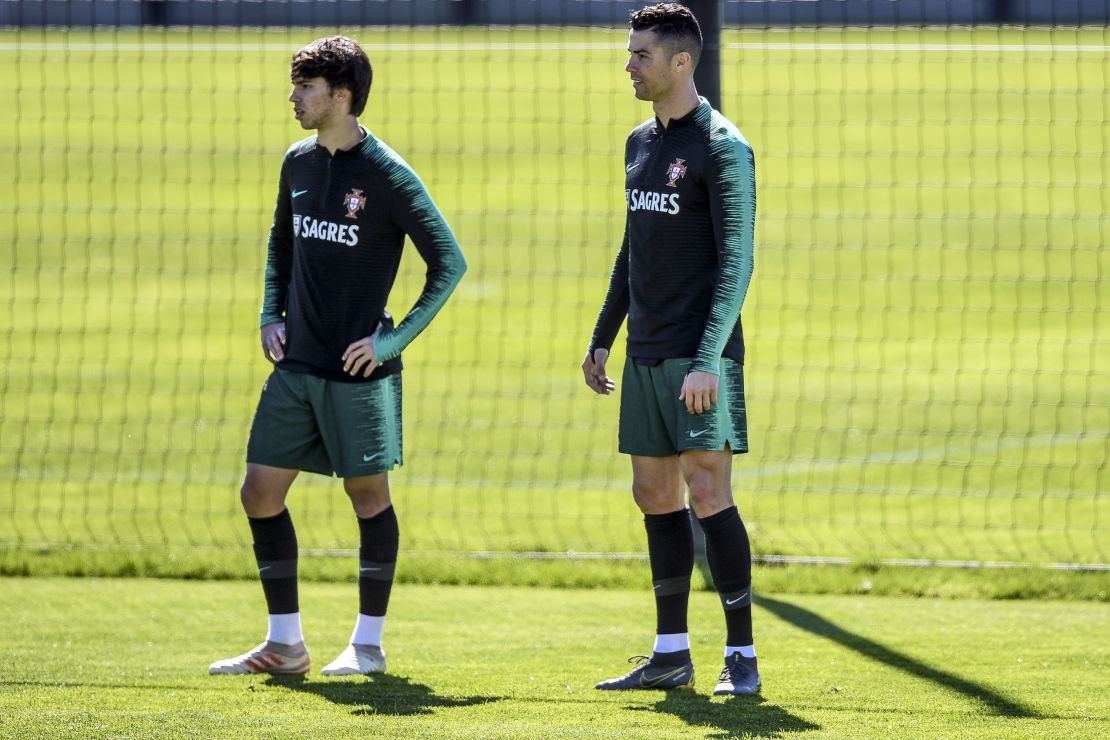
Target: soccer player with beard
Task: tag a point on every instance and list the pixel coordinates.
(680, 277)
(332, 405)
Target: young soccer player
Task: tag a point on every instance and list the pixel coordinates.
(332, 405)
(680, 277)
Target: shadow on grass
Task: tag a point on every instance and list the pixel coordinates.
(818, 625)
(737, 716)
(378, 694)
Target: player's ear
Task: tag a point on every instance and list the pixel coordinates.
(342, 95)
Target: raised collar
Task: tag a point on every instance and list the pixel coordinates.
(684, 121)
(356, 149)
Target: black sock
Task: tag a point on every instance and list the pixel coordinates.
(671, 550)
(377, 557)
(275, 549)
(679, 657)
(730, 562)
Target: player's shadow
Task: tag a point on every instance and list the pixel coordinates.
(818, 625)
(737, 716)
(378, 694)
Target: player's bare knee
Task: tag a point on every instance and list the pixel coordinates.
(709, 495)
(248, 495)
(374, 486)
(654, 499)
(369, 494)
(258, 501)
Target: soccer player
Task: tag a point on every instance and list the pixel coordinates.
(680, 277)
(332, 405)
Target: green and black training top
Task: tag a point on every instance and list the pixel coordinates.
(335, 247)
(687, 257)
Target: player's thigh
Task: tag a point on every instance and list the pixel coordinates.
(268, 480)
(265, 488)
(644, 428)
(657, 484)
(361, 426)
(708, 475)
(284, 433)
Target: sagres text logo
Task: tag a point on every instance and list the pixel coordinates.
(307, 227)
(645, 200)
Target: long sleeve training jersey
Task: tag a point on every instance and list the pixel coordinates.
(687, 256)
(335, 247)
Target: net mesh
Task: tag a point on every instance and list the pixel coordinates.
(927, 364)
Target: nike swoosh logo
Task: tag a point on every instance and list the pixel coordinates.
(703, 431)
(264, 567)
(730, 602)
(368, 458)
(656, 680)
(299, 192)
(632, 166)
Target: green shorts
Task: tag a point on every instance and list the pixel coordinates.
(654, 423)
(326, 426)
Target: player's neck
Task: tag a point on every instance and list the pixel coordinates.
(343, 133)
(683, 99)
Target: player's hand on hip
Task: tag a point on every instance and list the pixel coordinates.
(273, 341)
(593, 367)
(361, 353)
(699, 391)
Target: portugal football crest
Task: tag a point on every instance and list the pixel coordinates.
(355, 201)
(675, 170)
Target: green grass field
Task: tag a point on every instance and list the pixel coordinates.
(927, 367)
(111, 658)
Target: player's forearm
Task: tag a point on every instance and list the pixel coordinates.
(276, 282)
(724, 312)
(445, 270)
(615, 308)
(414, 211)
(733, 211)
(279, 256)
(609, 320)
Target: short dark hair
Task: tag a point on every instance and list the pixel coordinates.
(341, 62)
(674, 25)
